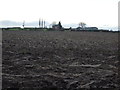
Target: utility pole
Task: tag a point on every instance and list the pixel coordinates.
(23, 24)
(39, 23)
(44, 24)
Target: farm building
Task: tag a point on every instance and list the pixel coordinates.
(87, 28)
(79, 28)
(91, 28)
(57, 26)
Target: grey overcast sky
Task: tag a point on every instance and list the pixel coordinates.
(92, 12)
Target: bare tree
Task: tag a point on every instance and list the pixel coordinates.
(42, 23)
(82, 24)
(53, 23)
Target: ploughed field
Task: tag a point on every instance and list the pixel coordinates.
(60, 60)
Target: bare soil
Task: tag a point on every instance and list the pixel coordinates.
(36, 60)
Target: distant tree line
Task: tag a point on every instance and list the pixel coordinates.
(57, 27)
